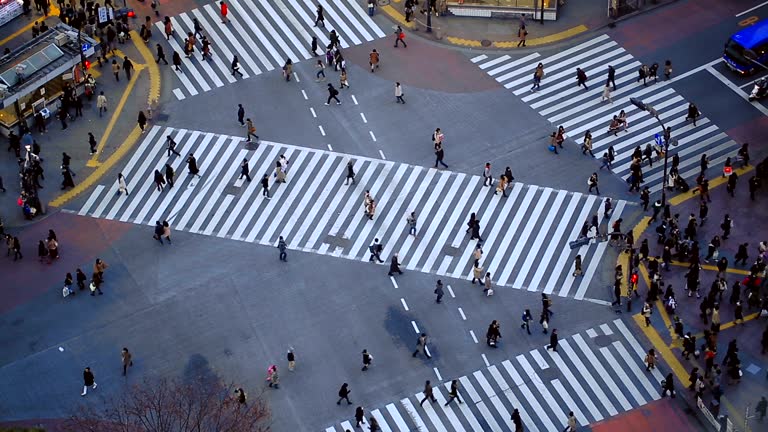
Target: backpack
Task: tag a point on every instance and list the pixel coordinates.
(334, 92)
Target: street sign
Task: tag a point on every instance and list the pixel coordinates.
(659, 140)
(106, 14)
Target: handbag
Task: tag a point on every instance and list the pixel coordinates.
(93, 287)
(551, 148)
(489, 292)
(716, 254)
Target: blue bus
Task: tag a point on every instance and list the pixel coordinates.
(747, 45)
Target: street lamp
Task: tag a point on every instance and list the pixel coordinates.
(667, 141)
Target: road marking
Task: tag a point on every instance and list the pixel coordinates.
(485, 359)
(354, 99)
(450, 291)
(461, 311)
(737, 90)
(295, 75)
(478, 58)
(405, 305)
(304, 94)
(179, 94)
(751, 9)
(330, 148)
(373, 137)
(312, 110)
(474, 338)
(53, 11)
(364, 119)
(415, 327)
(394, 282)
(437, 373)
(752, 82)
(382, 155)
(322, 131)
(426, 350)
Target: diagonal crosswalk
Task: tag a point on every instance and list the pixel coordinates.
(263, 35)
(542, 384)
(561, 102)
(526, 235)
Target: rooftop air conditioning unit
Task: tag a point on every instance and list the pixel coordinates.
(62, 39)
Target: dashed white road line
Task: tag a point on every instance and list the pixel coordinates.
(322, 131)
(392, 278)
(305, 95)
(461, 311)
(382, 155)
(485, 359)
(354, 99)
(472, 333)
(331, 149)
(295, 75)
(405, 305)
(415, 327)
(312, 110)
(365, 120)
(450, 291)
(437, 373)
(373, 137)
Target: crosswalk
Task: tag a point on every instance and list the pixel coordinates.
(263, 34)
(563, 103)
(596, 374)
(525, 235)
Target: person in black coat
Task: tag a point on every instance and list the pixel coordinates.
(394, 266)
(192, 165)
(553, 341)
(88, 381)
(159, 180)
(158, 232)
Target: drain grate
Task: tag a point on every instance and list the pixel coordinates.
(486, 43)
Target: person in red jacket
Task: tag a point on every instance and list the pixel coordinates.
(224, 11)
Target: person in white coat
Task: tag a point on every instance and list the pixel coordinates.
(121, 185)
(399, 93)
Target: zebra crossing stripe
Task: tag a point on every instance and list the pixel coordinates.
(601, 372)
(506, 239)
(533, 252)
(431, 414)
(301, 47)
(525, 234)
(323, 41)
(219, 49)
(448, 410)
(414, 415)
(414, 204)
(365, 18)
(478, 58)
(214, 58)
(507, 392)
(597, 255)
(554, 242)
(399, 422)
(346, 32)
(584, 372)
(574, 382)
(382, 421)
(545, 97)
(346, 426)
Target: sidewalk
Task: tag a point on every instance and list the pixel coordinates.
(576, 17)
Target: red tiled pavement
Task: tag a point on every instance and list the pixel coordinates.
(662, 415)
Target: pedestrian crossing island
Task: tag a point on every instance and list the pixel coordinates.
(525, 235)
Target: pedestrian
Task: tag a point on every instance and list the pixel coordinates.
(647, 314)
(373, 424)
(332, 93)
(42, 250)
(273, 377)
(350, 173)
(667, 69)
(176, 58)
(98, 268)
(400, 37)
(726, 226)
(63, 116)
(517, 421)
(167, 231)
(399, 93)
(586, 146)
(606, 94)
(67, 174)
(488, 290)
(250, 130)
(127, 359)
(570, 423)
(454, 393)
(116, 70)
(501, 186)
(411, 221)
(283, 247)
(244, 170)
(577, 266)
(224, 12)
(738, 313)
(439, 291)
(192, 165)
(142, 120)
(359, 416)
(527, 318)
(731, 184)
(159, 180)
(343, 82)
(160, 54)
(439, 154)
(287, 69)
(373, 60)
(421, 346)
(650, 360)
(81, 278)
(375, 249)
(522, 33)
(158, 235)
(320, 18)
(428, 393)
(241, 397)
(240, 114)
(171, 146)
(642, 74)
(538, 74)
(394, 265)
(313, 46)
(88, 381)
(16, 249)
(611, 77)
(127, 67)
(592, 182)
(761, 408)
(693, 114)
(235, 66)
(493, 334)
(344, 392)
(367, 360)
(553, 341)
(265, 186)
(668, 385)
(169, 175)
(581, 78)
(291, 359)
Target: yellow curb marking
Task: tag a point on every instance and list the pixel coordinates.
(132, 138)
(397, 16)
(53, 11)
(565, 34)
(464, 42)
(730, 324)
(679, 199)
(711, 267)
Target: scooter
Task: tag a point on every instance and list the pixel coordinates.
(760, 90)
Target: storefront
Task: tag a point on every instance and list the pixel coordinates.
(534, 9)
(33, 76)
(10, 9)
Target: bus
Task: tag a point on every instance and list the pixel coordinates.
(746, 47)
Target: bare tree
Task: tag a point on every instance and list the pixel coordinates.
(171, 405)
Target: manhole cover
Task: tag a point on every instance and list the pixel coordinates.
(251, 145)
(603, 341)
(548, 374)
(231, 190)
(485, 43)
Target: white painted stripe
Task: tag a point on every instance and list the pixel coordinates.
(363, 117)
(411, 410)
(399, 422)
(728, 83)
(493, 62)
(373, 137)
(366, 19)
(536, 381)
(220, 47)
(180, 74)
(288, 13)
(522, 242)
(437, 372)
(264, 23)
(450, 291)
(210, 201)
(358, 205)
(194, 59)
(310, 22)
(214, 223)
(432, 414)
(214, 22)
(533, 252)
(355, 24)
(576, 384)
(485, 360)
(303, 93)
(215, 48)
(563, 260)
(539, 359)
(639, 351)
(330, 429)
(382, 421)
(446, 196)
(190, 65)
(582, 369)
(415, 327)
(623, 377)
(448, 410)
(479, 404)
(569, 402)
(381, 153)
(394, 282)
(461, 312)
(346, 32)
(347, 426)
(598, 366)
(633, 366)
(554, 243)
(591, 333)
(474, 338)
(507, 391)
(179, 94)
(517, 65)
(402, 300)
(92, 199)
(245, 15)
(596, 259)
(577, 95)
(478, 58)
(415, 203)
(751, 9)
(318, 203)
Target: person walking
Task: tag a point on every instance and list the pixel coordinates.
(350, 173)
(726, 226)
(250, 130)
(320, 66)
(116, 70)
(359, 416)
(176, 58)
(439, 154)
(454, 393)
(592, 182)
(538, 74)
(522, 33)
(428, 393)
(240, 114)
(367, 360)
(577, 266)
(166, 231)
(88, 381)
(581, 78)
(158, 235)
(399, 93)
(375, 249)
(291, 359)
(373, 60)
(244, 170)
(159, 180)
(169, 175)
(517, 420)
(224, 12)
(761, 408)
(606, 94)
(487, 284)
(142, 121)
(235, 66)
(160, 54)
(527, 318)
(127, 67)
(553, 341)
(127, 359)
(668, 385)
(611, 77)
(421, 346)
(265, 186)
(332, 93)
(439, 291)
(394, 265)
(411, 221)
(171, 146)
(283, 247)
(192, 165)
(693, 114)
(400, 37)
(501, 186)
(344, 392)
(320, 18)
(487, 175)
(570, 425)
(67, 174)
(16, 248)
